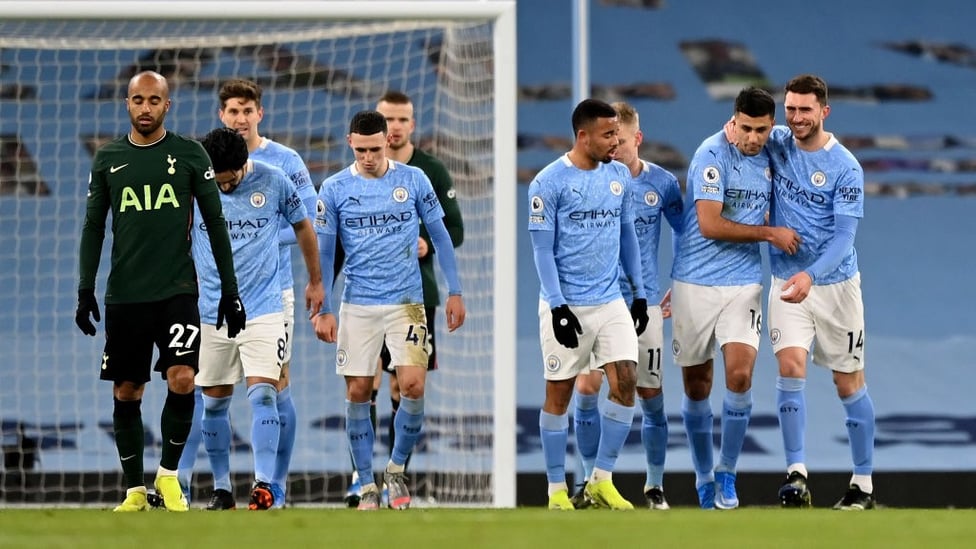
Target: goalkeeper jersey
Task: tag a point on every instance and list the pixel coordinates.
(150, 190)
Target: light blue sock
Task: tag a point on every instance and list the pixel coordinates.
(408, 423)
(615, 424)
(586, 418)
(792, 405)
(215, 427)
(189, 457)
(554, 432)
(736, 411)
(265, 429)
(286, 440)
(860, 429)
(359, 429)
(654, 437)
(697, 416)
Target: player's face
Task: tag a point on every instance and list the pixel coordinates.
(600, 139)
(805, 115)
(399, 122)
(630, 139)
(370, 153)
(147, 102)
(229, 180)
(242, 115)
(752, 132)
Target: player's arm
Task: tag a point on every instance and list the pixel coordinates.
(324, 323)
(447, 195)
(630, 258)
(454, 307)
(308, 244)
(307, 194)
(714, 226)
(213, 216)
(92, 238)
(797, 287)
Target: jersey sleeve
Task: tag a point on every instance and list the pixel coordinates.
(673, 203)
(440, 179)
(326, 213)
(428, 206)
(208, 199)
(542, 206)
(706, 174)
(849, 192)
(93, 230)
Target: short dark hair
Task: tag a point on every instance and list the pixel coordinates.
(367, 123)
(226, 148)
(394, 97)
(589, 110)
(809, 83)
(239, 87)
(755, 102)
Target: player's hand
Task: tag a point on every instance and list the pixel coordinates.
(567, 327)
(232, 308)
(454, 308)
(784, 238)
(666, 304)
(87, 305)
(638, 311)
(314, 296)
(325, 326)
(422, 248)
(797, 288)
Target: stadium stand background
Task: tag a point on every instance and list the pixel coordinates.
(901, 75)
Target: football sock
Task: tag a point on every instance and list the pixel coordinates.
(286, 438)
(265, 429)
(654, 438)
(215, 427)
(736, 410)
(175, 422)
(615, 423)
(792, 407)
(408, 422)
(586, 419)
(554, 432)
(860, 430)
(359, 429)
(130, 439)
(697, 417)
(189, 456)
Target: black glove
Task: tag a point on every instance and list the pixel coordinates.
(638, 311)
(231, 308)
(566, 327)
(87, 304)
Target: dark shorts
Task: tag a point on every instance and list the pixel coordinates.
(432, 347)
(132, 329)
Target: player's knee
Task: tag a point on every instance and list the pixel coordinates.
(180, 379)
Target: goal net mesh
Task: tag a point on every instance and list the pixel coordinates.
(62, 85)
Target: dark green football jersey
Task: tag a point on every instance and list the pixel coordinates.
(440, 179)
(151, 190)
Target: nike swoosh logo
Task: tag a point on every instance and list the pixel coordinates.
(114, 169)
(127, 458)
(181, 352)
(177, 443)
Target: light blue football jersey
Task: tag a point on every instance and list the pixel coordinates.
(810, 188)
(378, 222)
(720, 172)
(654, 193)
(253, 213)
(585, 209)
(276, 154)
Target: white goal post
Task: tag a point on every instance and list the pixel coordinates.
(63, 68)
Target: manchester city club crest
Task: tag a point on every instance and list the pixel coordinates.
(400, 194)
(258, 199)
(553, 363)
(651, 198)
(617, 188)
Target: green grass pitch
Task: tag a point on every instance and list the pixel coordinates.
(472, 528)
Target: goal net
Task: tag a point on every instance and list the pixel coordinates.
(62, 84)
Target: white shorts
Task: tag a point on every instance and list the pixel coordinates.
(649, 347)
(288, 302)
(363, 329)
(608, 334)
(255, 352)
(831, 318)
(705, 316)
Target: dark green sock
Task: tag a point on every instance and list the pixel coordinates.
(130, 439)
(175, 423)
